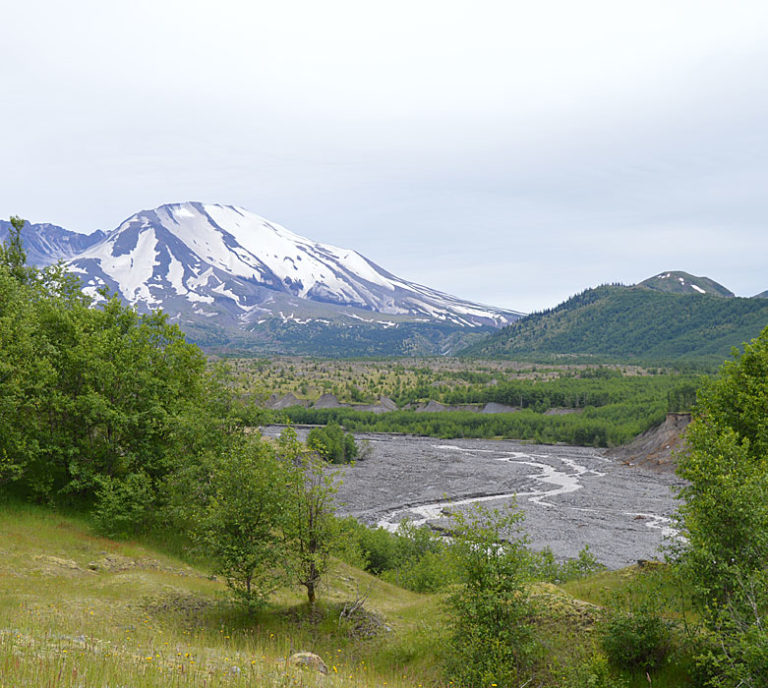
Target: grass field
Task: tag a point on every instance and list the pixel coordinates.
(81, 611)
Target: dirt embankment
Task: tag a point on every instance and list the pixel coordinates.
(657, 447)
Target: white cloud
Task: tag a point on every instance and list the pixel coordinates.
(406, 124)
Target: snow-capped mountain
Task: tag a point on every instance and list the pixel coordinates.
(228, 265)
(46, 244)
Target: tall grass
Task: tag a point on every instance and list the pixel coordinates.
(78, 610)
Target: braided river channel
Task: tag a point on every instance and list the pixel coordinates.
(571, 496)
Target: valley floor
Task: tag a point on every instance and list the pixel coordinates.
(571, 496)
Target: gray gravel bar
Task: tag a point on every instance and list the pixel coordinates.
(571, 496)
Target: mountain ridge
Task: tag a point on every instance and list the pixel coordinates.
(224, 274)
(219, 254)
(46, 243)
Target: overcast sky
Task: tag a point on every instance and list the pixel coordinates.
(512, 153)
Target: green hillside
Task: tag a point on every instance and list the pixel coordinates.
(632, 323)
(78, 609)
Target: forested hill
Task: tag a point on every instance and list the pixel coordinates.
(632, 322)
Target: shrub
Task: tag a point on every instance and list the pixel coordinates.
(636, 640)
(332, 443)
(492, 634)
(429, 572)
(595, 672)
(124, 507)
(545, 567)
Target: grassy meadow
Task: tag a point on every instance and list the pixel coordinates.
(79, 610)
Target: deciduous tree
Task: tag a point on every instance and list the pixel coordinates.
(493, 640)
(243, 519)
(725, 516)
(311, 527)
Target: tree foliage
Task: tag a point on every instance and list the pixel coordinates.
(332, 443)
(725, 516)
(115, 410)
(310, 528)
(493, 640)
(243, 516)
(92, 396)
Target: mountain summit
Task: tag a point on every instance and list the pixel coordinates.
(231, 278)
(678, 282)
(220, 260)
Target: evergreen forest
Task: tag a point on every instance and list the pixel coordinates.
(640, 324)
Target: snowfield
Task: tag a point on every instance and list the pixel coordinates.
(231, 258)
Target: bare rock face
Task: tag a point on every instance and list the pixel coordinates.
(387, 404)
(493, 407)
(432, 407)
(308, 660)
(437, 407)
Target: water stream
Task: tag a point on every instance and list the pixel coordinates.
(553, 480)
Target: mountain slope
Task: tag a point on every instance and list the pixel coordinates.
(231, 278)
(46, 244)
(632, 322)
(216, 260)
(678, 282)
(761, 295)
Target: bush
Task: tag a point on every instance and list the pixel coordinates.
(380, 548)
(636, 640)
(429, 572)
(414, 557)
(545, 567)
(124, 507)
(492, 634)
(332, 443)
(594, 673)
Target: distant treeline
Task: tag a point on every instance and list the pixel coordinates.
(611, 411)
(599, 427)
(598, 387)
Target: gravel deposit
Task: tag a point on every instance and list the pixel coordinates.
(571, 496)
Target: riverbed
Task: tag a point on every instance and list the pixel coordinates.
(571, 496)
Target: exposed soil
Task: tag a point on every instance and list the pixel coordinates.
(658, 447)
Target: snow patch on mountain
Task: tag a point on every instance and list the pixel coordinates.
(237, 261)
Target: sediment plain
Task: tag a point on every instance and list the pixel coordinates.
(571, 496)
